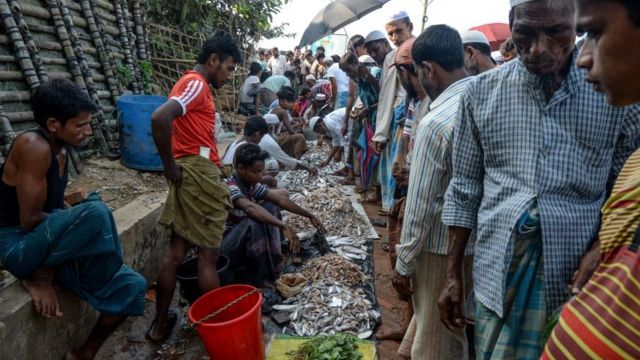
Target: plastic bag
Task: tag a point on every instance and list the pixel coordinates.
(290, 285)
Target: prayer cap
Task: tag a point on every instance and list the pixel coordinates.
(515, 3)
(366, 59)
(474, 37)
(398, 15)
(310, 77)
(271, 119)
(374, 35)
(321, 97)
(403, 55)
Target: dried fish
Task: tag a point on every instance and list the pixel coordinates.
(335, 268)
(330, 308)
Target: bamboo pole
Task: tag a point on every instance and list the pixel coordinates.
(101, 132)
(139, 30)
(7, 135)
(19, 47)
(65, 41)
(103, 56)
(132, 44)
(124, 40)
(40, 13)
(28, 38)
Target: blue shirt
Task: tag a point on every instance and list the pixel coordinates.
(513, 147)
(422, 228)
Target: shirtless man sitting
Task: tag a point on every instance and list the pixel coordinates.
(47, 244)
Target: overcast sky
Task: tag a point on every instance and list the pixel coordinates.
(460, 14)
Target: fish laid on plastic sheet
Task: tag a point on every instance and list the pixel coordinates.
(333, 208)
(331, 308)
(332, 267)
(350, 248)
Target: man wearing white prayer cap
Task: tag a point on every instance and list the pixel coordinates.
(391, 107)
(534, 210)
(477, 52)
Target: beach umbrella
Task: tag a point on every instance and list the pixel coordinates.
(337, 15)
(497, 33)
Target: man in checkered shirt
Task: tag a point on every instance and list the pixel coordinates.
(534, 157)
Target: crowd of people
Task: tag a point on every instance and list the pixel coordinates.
(509, 188)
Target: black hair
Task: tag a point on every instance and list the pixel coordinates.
(255, 123)
(264, 76)
(304, 91)
(275, 48)
(482, 47)
(440, 44)
(287, 93)
(320, 49)
(248, 154)
(221, 44)
(308, 53)
(61, 99)
(350, 58)
(255, 68)
(320, 55)
(290, 74)
(261, 52)
(296, 62)
(355, 42)
(336, 58)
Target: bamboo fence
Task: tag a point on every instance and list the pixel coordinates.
(87, 41)
(174, 52)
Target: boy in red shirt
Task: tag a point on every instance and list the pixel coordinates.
(198, 201)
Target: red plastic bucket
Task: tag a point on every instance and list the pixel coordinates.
(235, 334)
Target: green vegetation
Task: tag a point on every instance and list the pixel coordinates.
(328, 347)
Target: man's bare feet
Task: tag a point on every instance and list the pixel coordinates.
(386, 333)
(43, 295)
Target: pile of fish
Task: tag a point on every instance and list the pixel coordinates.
(332, 267)
(350, 248)
(333, 208)
(330, 308)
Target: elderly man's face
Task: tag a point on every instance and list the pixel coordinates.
(399, 31)
(378, 50)
(544, 34)
(611, 51)
(408, 79)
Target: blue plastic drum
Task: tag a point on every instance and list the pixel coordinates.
(136, 142)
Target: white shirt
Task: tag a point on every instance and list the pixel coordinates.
(334, 122)
(231, 152)
(342, 80)
(270, 145)
(251, 86)
(277, 65)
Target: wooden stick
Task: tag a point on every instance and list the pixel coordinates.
(19, 47)
(28, 39)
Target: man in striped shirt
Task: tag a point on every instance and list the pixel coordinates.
(439, 61)
(535, 155)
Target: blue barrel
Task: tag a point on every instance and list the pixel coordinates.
(137, 149)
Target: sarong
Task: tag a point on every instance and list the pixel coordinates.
(256, 247)
(341, 99)
(294, 145)
(82, 244)
(389, 155)
(367, 156)
(196, 209)
(519, 333)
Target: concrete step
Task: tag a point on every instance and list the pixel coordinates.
(26, 335)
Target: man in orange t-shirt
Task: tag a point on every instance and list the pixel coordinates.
(198, 201)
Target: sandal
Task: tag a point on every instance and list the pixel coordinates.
(380, 222)
(385, 246)
(172, 320)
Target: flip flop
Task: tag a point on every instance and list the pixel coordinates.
(173, 319)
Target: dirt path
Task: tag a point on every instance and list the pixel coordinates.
(392, 308)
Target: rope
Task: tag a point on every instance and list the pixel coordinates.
(224, 308)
